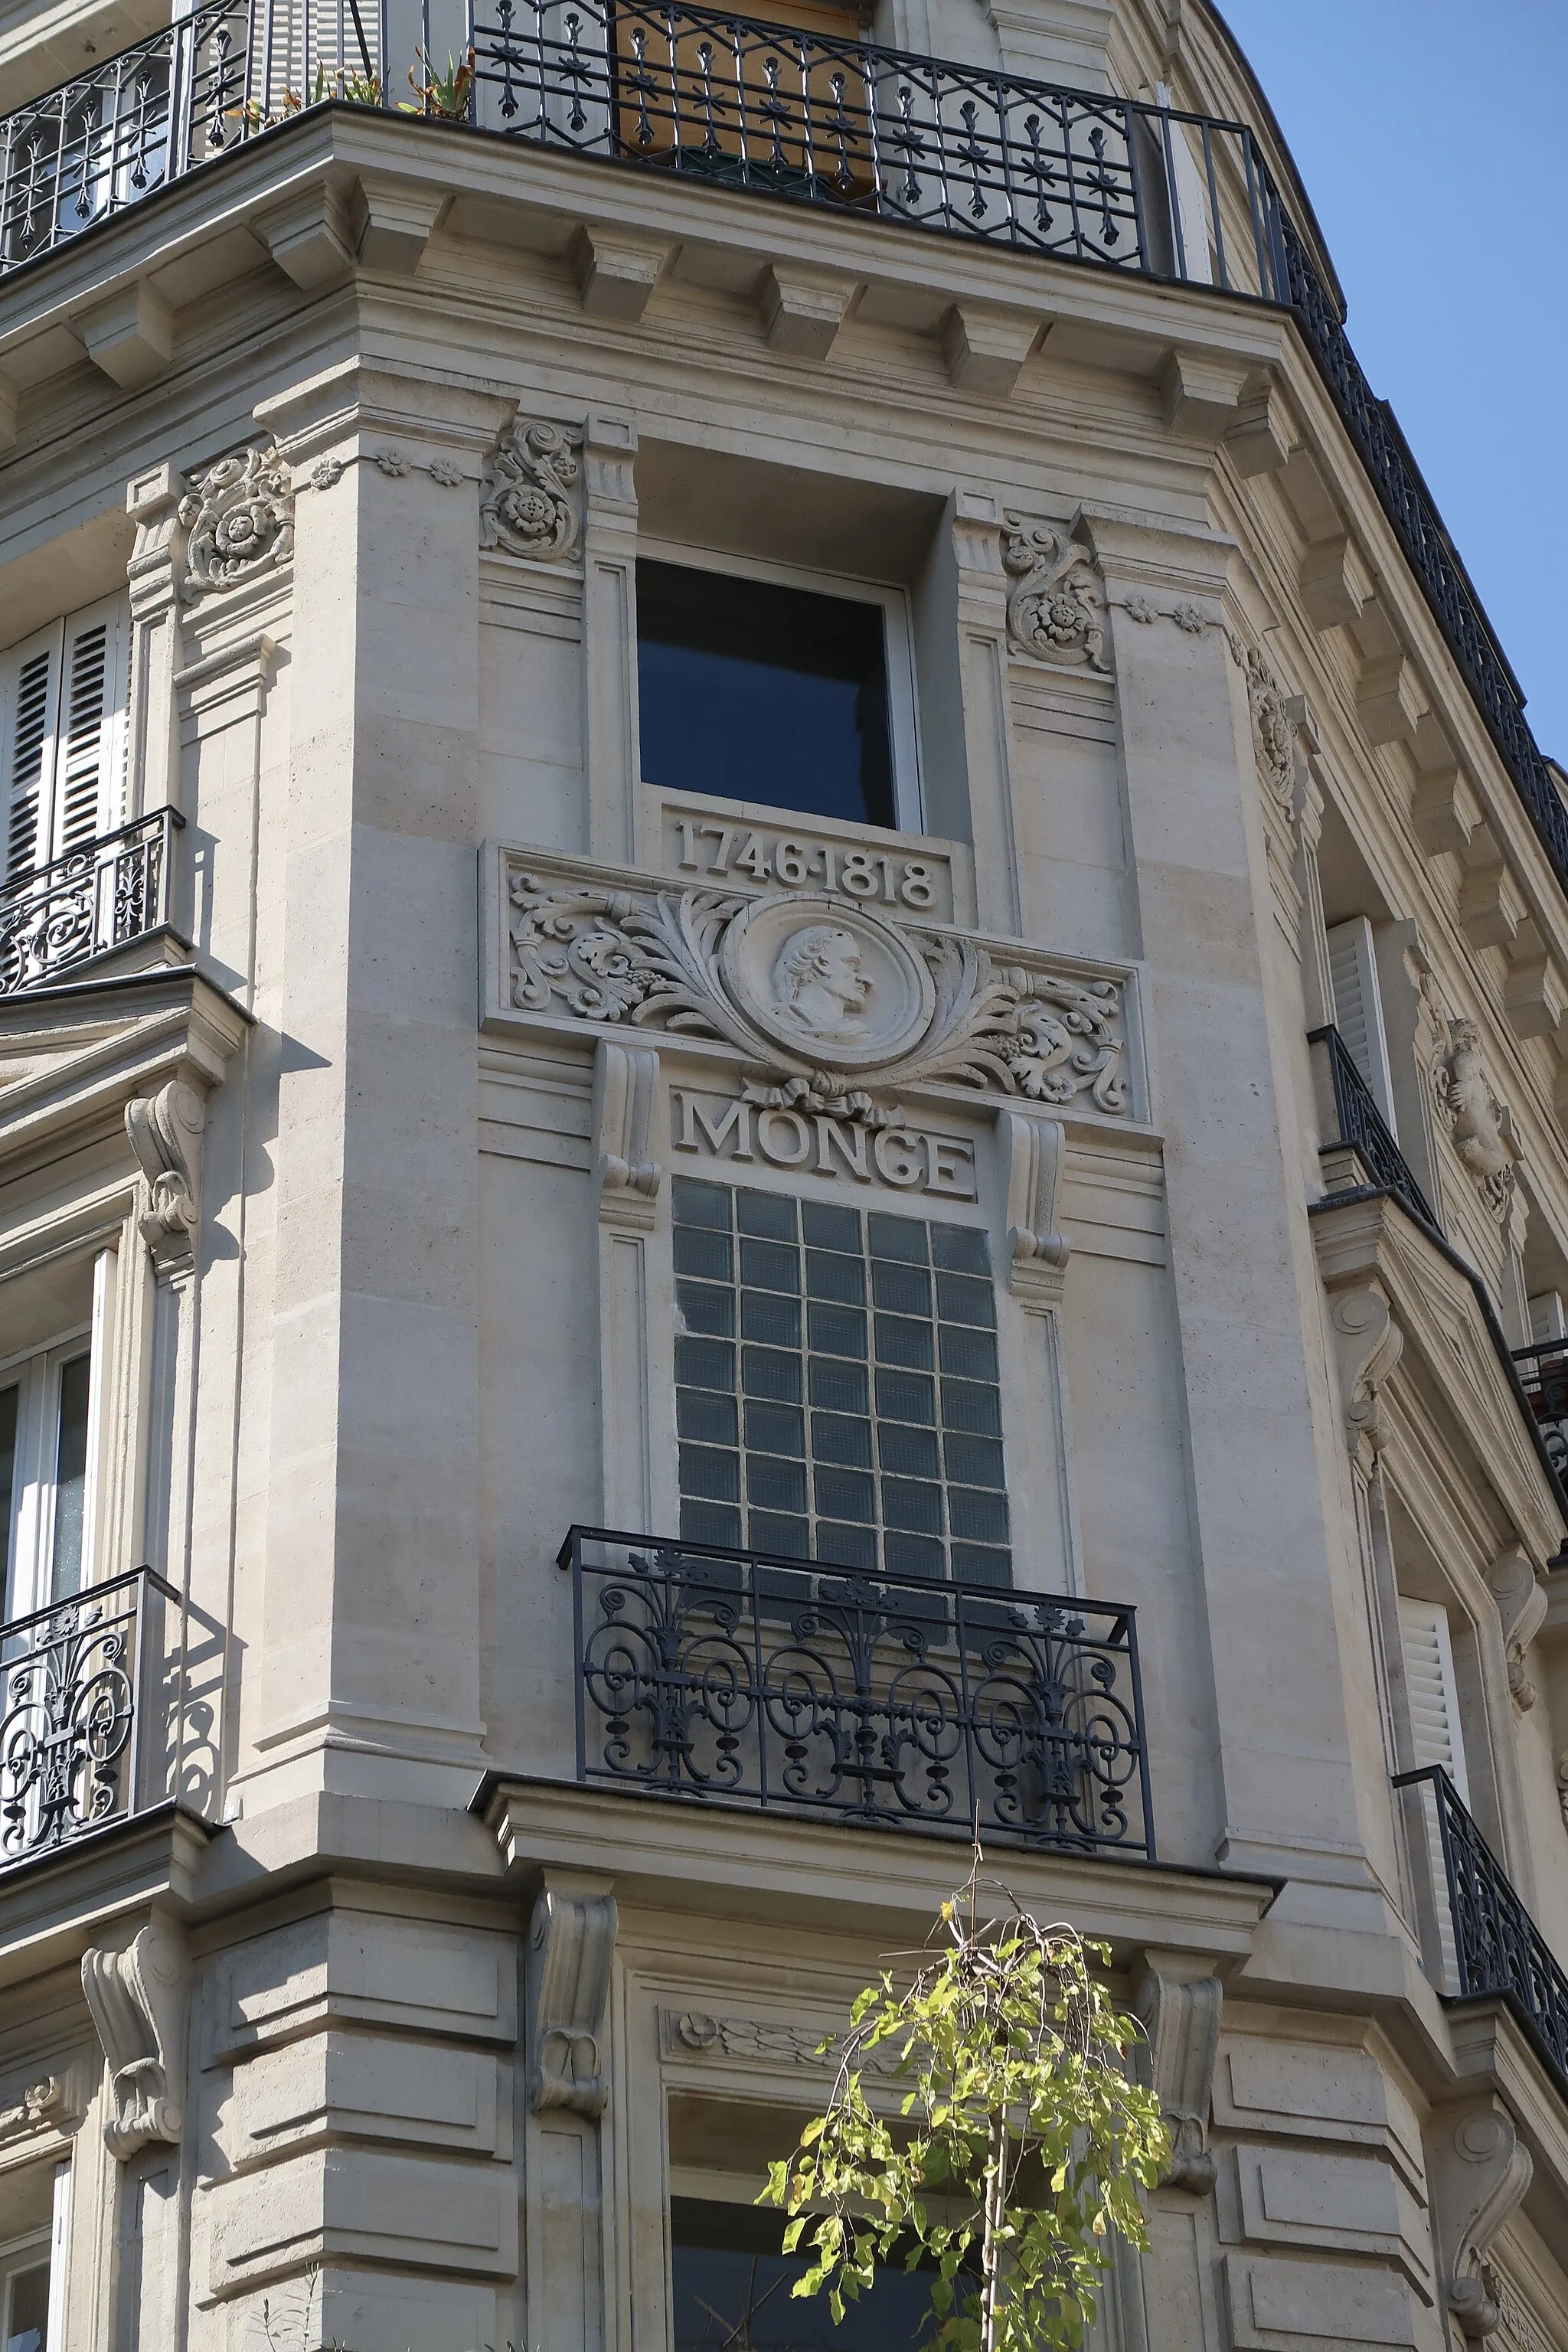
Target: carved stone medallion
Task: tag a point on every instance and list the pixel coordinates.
(827, 979)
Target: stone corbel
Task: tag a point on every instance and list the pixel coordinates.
(572, 1942)
(1521, 1606)
(625, 1092)
(165, 1131)
(1479, 2173)
(139, 2000)
(1368, 1344)
(1034, 1153)
(1181, 2017)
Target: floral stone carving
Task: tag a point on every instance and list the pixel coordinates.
(1273, 729)
(1481, 1125)
(1054, 608)
(239, 519)
(811, 988)
(528, 504)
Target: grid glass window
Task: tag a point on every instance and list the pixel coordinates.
(836, 1393)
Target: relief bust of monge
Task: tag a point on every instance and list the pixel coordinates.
(818, 983)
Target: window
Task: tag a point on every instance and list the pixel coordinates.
(751, 690)
(1358, 1010)
(1432, 1696)
(837, 1391)
(732, 2283)
(45, 1444)
(62, 736)
(34, 2207)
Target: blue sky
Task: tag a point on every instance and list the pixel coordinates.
(1429, 134)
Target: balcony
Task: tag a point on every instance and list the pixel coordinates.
(736, 1679)
(1543, 1375)
(1360, 1128)
(104, 895)
(112, 1706)
(1488, 1947)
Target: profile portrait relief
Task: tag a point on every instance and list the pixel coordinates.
(818, 982)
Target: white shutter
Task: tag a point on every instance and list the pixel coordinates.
(89, 758)
(30, 694)
(1358, 1010)
(1547, 1320)
(1435, 1739)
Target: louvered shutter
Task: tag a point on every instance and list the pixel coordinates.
(1358, 1009)
(30, 695)
(1435, 1739)
(90, 755)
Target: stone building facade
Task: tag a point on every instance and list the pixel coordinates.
(782, 1072)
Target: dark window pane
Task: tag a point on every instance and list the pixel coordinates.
(967, 1405)
(771, 1215)
(29, 2316)
(906, 1396)
(765, 1372)
(769, 1265)
(773, 1484)
(908, 1555)
(768, 1315)
(708, 1419)
(705, 1308)
(733, 2291)
(972, 1564)
(960, 1298)
(715, 1476)
(836, 1438)
(837, 1387)
(841, 1278)
(701, 1204)
(971, 1355)
(701, 1253)
(903, 1343)
(846, 1546)
(829, 1228)
(704, 1364)
(901, 1289)
(905, 1504)
(900, 1237)
(973, 1460)
(775, 1428)
(960, 1248)
(977, 1517)
(907, 1452)
(747, 689)
(845, 1495)
(714, 1523)
(836, 1331)
(773, 1531)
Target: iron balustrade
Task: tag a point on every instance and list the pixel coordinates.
(1499, 1951)
(1076, 175)
(734, 1678)
(1363, 1129)
(100, 896)
(112, 1701)
(1543, 1375)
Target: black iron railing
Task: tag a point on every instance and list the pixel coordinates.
(1543, 1375)
(1497, 1949)
(104, 895)
(734, 1678)
(111, 1703)
(1077, 175)
(1363, 1129)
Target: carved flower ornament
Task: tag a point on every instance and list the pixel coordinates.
(527, 506)
(1055, 609)
(240, 517)
(812, 987)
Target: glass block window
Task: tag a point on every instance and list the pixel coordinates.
(837, 1391)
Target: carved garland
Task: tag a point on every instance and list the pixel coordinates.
(527, 504)
(239, 520)
(1056, 610)
(654, 961)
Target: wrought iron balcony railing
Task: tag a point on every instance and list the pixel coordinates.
(112, 1702)
(104, 895)
(1363, 1130)
(1491, 1946)
(1075, 175)
(1543, 1375)
(738, 1679)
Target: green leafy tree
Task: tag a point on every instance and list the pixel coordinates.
(1021, 2146)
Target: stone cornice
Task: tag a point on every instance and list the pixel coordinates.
(53, 1906)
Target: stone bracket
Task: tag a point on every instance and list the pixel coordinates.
(139, 1999)
(1480, 2172)
(1034, 1152)
(572, 1945)
(626, 1094)
(1181, 2016)
(165, 1131)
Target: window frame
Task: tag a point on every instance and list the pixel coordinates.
(31, 1533)
(899, 655)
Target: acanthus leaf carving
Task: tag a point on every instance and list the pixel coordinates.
(165, 1131)
(1369, 1344)
(529, 503)
(1480, 2174)
(138, 1998)
(1056, 607)
(1521, 1604)
(572, 1943)
(1481, 1124)
(626, 1091)
(239, 518)
(806, 991)
(1181, 2021)
(699, 2033)
(1274, 729)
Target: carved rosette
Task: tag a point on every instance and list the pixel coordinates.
(239, 518)
(1481, 1124)
(815, 992)
(529, 504)
(1056, 608)
(1273, 729)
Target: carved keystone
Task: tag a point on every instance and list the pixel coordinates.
(1181, 2016)
(572, 1942)
(1479, 2174)
(138, 1998)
